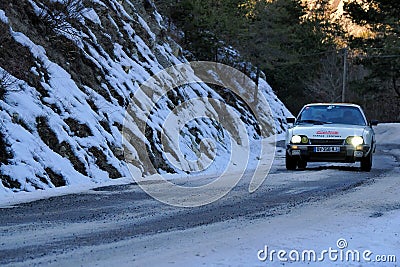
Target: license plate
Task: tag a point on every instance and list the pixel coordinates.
(327, 149)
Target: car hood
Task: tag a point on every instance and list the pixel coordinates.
(334, 131)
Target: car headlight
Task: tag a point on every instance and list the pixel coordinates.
(296, 139)
(354, 140)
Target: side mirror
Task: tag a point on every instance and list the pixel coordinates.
(373, 123)
(290, 120)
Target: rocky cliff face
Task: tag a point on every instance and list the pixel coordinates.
(68, 72)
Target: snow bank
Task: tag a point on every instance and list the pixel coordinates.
(387, 133)
(65, 130)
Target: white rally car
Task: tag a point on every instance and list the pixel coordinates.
(330, 133)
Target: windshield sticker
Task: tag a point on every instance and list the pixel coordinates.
(330, 107)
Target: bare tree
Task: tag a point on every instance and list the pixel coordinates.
(327, 85)
(59, 16)
(6, 82)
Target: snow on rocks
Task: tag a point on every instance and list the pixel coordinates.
(65, 130)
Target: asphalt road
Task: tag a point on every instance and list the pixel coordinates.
(105, 215)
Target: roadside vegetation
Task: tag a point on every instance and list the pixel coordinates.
(309, 50)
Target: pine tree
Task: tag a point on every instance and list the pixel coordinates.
(288, 42)
(381, 47)
(205, 23)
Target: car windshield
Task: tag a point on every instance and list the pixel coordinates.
(327, 114)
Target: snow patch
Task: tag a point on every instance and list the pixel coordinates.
(3, 17)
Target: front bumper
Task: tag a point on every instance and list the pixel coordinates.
(343, 153)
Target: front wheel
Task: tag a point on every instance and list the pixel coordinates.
(366, 163)
(302, 164)
(291, 162)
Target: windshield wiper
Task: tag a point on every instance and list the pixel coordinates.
(314, 122)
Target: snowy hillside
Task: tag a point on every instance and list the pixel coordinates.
(68, 72)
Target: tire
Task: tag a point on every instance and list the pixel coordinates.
(302, 164)
(291, 163)
(366, 163)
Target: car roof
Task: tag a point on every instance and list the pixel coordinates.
(333, 104)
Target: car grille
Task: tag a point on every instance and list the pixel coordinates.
(326, 141)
